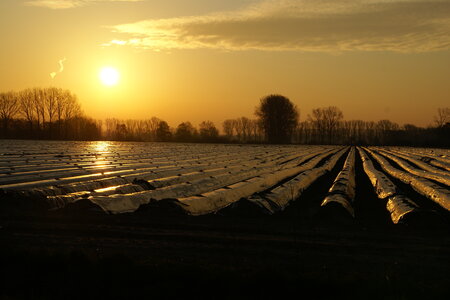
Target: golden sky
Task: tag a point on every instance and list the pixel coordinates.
(201, 60)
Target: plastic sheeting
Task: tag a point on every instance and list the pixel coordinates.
(343, 189)
(218, 199)
(420, 161)
(439, 177)
(278, 198)
(425, 187)
(211, 188)
(398, 204)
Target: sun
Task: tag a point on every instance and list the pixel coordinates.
(109, 76)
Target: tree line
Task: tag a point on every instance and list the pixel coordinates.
(54, 113)
(45, 113)
(157, 130)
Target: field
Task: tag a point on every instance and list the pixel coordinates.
(224, 221)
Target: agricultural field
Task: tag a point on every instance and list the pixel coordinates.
(329, 210)
(199, 179)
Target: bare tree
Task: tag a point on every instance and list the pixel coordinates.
(442, 117)
(62, 101)
(208, 131)
(385, 128)
(110, 125)
(370, 132)
(387, 125)
(254, 130)
(50, 102)
(71, 110)
(326, 121)
(245, 124)
(26, 104)
(39, 107)
(9, 106)
(228, 128)
(152, 126)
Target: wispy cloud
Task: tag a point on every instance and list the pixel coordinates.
(61, 68)
(64, 4)
(302, 25)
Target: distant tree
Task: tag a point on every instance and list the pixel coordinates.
(304, 132)
(278, 117)
(385, 130)
(121, 132)
(39, 106)
(410, 127)
(163, 133)
(9, 106)
(152, 127)
(50, 102)
(208, 131)
(255, 130)
(326, 122)
(185, 132)
(83, 128)
(71, 110)
(442, 117)
(61, 103)
(246, 127)
(27, 108)
(228, 128)
(387, 125)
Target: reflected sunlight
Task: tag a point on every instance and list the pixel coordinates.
(101, 147)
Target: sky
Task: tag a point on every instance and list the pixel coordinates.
(196, 60)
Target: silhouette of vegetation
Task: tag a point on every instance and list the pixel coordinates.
(442, 117)
(9, 106)
(54, 113)
(326, 122)
(243, 130)
(163, 133)
(278, 117)
(45, 113)
(208, 132)
(186, 133)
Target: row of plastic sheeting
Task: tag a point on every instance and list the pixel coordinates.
(427, 188)
(342, 191)
(398, 204)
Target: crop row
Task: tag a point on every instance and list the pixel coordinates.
(204, 179)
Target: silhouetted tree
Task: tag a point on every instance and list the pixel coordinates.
(442, 117)
(228, 128)
(163, 133)
(152, 126)
(50, 100)
(255, 130)
(121, 132)
(186, 132)
(326, 122)
(9, 106)
(303, 132)
(278, 117)
(386, 131)
(35, 113)
(208, 131)
(27, 109)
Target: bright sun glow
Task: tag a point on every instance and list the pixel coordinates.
(109, 76)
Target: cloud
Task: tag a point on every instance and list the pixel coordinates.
(61, 68)
(65, 4)
(302, 25)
